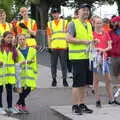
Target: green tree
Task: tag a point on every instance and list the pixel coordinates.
(40, 8)
(12, 7)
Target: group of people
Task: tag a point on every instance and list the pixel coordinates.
(18, 63)
(90, 46)
(83, 45)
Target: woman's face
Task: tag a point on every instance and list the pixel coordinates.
(8, 38)
(21, 40)
(98, 23)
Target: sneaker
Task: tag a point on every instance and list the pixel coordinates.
(116, 102)
(85, 109)
(70, 75)
(113, 102)
(65, 84)
(2, 111)
(12, 110)
(25, 109)
(98, 104)
(54, 83)
(18, 108)
(76, 110)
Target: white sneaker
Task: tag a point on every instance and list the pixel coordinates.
(70, 75)
(2, 111)
(12, 110)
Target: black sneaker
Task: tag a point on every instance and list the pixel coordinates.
(76, 110)
(65, 84)
(98, 104)
(113, 102)
(116, 102)
(85, 109)
(54, 83)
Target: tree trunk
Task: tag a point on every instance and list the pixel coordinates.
(40, 13)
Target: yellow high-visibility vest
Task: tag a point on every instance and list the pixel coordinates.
(77, 51)
(58, 34)
(5, 27)
(9, 68)
(29, 71)
(1, 69)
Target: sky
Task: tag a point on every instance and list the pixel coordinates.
(103, 11)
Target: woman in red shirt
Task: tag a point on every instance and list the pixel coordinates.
(102, 64)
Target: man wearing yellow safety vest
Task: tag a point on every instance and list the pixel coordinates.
(28, 27)
(58, 45)
(79, 38)
(4, 26)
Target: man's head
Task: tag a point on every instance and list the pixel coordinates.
(55, 12)
(2, 15)
(84, 11)
(23, 11)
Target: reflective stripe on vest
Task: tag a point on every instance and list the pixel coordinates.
(9, 65)
(9, 75)
(28, 77)
(78, 51)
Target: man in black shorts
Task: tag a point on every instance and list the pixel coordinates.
(79, 39)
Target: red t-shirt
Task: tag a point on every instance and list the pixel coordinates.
(103, 40)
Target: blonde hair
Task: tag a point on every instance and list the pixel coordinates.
(2, 11)
(23, 8)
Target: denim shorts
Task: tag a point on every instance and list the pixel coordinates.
(103, 68)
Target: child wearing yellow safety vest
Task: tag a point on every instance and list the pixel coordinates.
(8, 57)
(27, 60)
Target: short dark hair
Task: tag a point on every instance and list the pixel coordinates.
(84, 6)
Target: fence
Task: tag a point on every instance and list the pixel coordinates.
(41, 38)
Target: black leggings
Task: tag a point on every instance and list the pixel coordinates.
(23, 95)
(9, 95)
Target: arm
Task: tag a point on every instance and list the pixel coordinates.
(71, 39)
(49, 37)
(34, 29)
(71, 36)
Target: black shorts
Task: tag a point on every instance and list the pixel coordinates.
(82, 75)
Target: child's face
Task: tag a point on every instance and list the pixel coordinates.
(21, 40)
(8, 38)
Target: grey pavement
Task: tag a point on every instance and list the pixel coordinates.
(107, 112)
(41, 99)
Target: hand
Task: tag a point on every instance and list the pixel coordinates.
(96, 41)
(1, 63)
(101, 49)
(30, 61)
(49, 50)
(22, 63)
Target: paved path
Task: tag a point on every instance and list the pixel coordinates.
(107, 112)
(40, 100)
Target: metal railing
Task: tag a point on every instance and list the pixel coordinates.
(41, 38)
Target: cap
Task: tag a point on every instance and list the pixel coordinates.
(115, 19)
(55, 9)
(84, 6)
